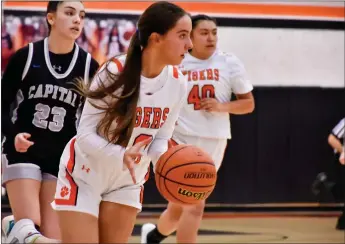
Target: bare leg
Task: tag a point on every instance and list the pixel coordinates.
(116, 222)
(49, 218)
(187, 231)
(24, 199)
(78, 227)
(169, 219)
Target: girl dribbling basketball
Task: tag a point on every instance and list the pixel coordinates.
(204, 119)
(129, 116)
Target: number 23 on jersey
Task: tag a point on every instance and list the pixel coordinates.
(42, 114)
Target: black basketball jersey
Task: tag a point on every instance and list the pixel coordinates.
(46, 106)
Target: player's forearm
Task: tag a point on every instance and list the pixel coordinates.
(157, 148)
(90, 141)
(335, 143)
(97, 147)
(242, 106)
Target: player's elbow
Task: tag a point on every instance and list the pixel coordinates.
(251, 106)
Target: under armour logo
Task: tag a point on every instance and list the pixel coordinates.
(57, 68)
(85, 168)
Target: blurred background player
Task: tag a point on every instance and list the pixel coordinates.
(7, 46)
(130, 105)
(334, 179)
(204, 120)
(38, 81)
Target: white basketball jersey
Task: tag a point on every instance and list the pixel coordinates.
(157, 111)
(219, 76)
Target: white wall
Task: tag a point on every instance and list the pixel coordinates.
(288, 57)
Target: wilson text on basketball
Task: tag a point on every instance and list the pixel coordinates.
(195, 195)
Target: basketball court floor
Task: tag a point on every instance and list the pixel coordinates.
(308, 227)
(261, 228)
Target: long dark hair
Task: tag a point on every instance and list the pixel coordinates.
(159, 18)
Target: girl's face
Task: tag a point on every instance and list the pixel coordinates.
(176, 42)
(68, 20)
(204, 38)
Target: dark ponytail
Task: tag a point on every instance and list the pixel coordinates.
(159, 18)
(125, 108)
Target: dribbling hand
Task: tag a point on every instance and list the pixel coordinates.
(21, 142)
(131, 154)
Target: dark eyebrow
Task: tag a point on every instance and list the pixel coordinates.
(208, 29)
(180, 31)
(82, 11)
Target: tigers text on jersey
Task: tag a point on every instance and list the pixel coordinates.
(157, 111)
(217, 77)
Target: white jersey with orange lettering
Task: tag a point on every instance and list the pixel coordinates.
(217, 77)
(92, 169)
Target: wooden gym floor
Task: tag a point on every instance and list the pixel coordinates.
(308, 227)
(261, 228)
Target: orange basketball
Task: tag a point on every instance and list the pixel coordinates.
(185, 174)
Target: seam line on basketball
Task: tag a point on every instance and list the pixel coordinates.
(159, 183)
(180, 182)
(178, 166)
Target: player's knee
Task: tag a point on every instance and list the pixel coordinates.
(174, 211)
(196, 210)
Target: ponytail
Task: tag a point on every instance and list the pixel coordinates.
(122, 109)
(130, 79)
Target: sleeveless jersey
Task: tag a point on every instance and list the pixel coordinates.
(46, 105)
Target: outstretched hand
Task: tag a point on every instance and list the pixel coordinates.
(131, 154)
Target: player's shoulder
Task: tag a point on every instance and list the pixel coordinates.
(228, 57)
(232, 62)
(115, 64)
(176, 74)
(34, 46)
(177, 77)
(82, 53)
(37, 44)
(119, 60)
(21, 54)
